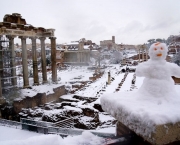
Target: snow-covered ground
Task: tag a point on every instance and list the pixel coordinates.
(12, 136)
(72, 74)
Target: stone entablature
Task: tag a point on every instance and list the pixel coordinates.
(15, 25)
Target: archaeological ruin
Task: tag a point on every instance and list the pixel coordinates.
(15, 26)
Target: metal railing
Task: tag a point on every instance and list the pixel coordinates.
(64, 131)
(36, 123)
(10, 123)
(48, 128)
(67, 123)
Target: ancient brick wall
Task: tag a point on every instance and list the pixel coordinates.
(38, 99)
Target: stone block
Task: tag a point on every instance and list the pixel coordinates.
(163, 134)
(158, 127)
(38, 99)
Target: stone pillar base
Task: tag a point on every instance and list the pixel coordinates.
(45, 82)
(157, 128)
(55, 82)
(36, 84)
(26, 87)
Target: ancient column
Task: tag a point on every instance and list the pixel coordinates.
(0, 90)
(53, 59)
(139, 54)
(146, 54)
(88, 56)
(24, 62)
(34, 58)
(109, 78)
(86, 59)
(78, 55)
(12, 60)
(81, 57)
(143, 53)
(43, 59)
(1, 67)
(2, 99)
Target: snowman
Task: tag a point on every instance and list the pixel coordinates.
(157, 73)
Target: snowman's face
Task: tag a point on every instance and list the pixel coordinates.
(158, 51)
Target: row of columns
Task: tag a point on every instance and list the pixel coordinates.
(83, 57)
(34, 58)
(146, 54)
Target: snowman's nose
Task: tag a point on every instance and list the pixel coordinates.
(159, 54)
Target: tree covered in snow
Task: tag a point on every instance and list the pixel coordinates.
(116, 57)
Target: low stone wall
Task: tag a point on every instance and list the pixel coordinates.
(168, 134)
(38, 99)
(131, 120)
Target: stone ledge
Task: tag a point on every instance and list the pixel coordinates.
(144, 126)
(163, 134)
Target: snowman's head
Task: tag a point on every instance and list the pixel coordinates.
(158, 51)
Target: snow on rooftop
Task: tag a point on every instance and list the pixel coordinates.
(59, 48)
(86, 47)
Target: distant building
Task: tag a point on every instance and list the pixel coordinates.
(60, 55)
(110, 44)
(127, 46)
(78, 52)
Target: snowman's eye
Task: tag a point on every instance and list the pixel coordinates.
(155, 48)
(161, 48)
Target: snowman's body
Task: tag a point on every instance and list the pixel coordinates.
(158, 73)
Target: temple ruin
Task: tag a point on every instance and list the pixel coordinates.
(15, 26)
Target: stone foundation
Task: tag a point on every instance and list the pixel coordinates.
(163, 134)
(38, 99)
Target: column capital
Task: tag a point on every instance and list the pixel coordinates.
(33, 38)
(42, 38)
(23, 37)
(52, 37)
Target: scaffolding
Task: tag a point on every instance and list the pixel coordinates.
(8, 84)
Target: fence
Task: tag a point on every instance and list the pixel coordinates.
(10, 123)
(48, 128)
(67, 123)
(36, 123)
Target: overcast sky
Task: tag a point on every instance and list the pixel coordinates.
(130, 21)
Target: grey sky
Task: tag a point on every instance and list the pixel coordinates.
(131, 21)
